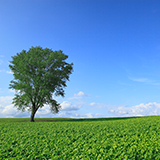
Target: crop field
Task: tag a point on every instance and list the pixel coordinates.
(86, 139)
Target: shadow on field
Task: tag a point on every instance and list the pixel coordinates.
(83, 119)
(86, 119)
(68, 119)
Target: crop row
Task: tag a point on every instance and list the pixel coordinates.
(118, 139)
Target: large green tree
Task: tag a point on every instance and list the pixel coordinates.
(38, 74)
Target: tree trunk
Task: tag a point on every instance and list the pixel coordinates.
(32, 116)
(33, 113)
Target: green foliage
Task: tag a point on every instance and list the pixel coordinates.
(136, 138)
(38, 74)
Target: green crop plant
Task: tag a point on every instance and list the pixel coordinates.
(128, 138)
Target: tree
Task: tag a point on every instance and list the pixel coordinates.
(38, 74)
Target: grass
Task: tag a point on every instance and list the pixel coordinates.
(66, 138)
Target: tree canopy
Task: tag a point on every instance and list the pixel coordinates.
(38, 74)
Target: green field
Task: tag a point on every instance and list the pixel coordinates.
(104, 138)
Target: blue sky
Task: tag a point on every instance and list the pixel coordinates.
(114, 45)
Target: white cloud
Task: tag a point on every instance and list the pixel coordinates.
(112, 111)
(43, 111)
(10, 72)
(142, 109)
(65, 114)
(12, 90)
(92, 104)
(71, 110)
(101, 105)
(75, 115)
(9, 110)
(99, 115)
(87, 115)
(68, 106)
(120, 110)
(5, 100)
(79, 95)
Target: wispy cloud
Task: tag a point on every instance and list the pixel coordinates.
(144, 80)
(1, 56)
